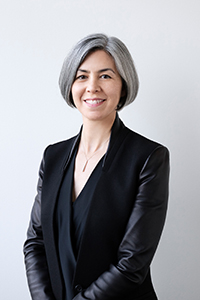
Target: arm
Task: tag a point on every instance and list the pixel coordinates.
(35, 258)
(142, 233)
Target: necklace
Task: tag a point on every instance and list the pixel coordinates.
(88, 158)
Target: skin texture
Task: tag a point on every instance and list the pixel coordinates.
(97, 88)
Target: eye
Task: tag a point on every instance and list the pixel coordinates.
(81, 77)
(105, 76)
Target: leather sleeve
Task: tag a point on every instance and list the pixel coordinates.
(35, 258)
(142, 234)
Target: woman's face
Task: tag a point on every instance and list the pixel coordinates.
(97, 88)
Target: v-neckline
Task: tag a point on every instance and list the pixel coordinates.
(87, 181)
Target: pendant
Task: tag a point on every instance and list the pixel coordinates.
(85, 165)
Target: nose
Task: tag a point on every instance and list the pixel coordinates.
(93, 86)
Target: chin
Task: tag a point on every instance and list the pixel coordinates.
(99, 116)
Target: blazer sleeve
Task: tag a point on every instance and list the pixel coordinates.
(34, 251)
(142, 233)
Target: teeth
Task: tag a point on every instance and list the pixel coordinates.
(94, 101)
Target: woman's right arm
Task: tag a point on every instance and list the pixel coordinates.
(34, 251)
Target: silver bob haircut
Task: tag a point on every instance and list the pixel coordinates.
(123, 61)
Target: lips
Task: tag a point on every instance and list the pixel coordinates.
(94, 101)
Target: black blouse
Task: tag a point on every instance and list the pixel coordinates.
(70, 232)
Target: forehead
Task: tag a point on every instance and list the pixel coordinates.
(98, 59)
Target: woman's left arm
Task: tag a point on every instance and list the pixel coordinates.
(142, 234)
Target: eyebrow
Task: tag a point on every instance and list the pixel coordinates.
(100, 71)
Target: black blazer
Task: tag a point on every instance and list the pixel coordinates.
(124, 223)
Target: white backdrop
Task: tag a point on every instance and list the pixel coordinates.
(163, 37)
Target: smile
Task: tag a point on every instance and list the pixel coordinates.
(94, 101)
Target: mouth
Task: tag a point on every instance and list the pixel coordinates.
(94, 101)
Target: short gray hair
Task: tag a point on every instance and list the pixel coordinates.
(123, 61)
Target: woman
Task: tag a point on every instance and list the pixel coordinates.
(102, 195)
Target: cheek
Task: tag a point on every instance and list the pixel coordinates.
(118, 87)
(117, 91)
(75, 91)
(115, 88)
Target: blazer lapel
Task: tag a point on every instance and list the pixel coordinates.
(55, 176)
(55, 173)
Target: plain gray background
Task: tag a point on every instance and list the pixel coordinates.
(164, 39)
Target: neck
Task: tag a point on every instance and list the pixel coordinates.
(95, 133)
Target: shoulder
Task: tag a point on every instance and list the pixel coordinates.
(139, 148)
(140, 142)
(57, 154)
(62, 145)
